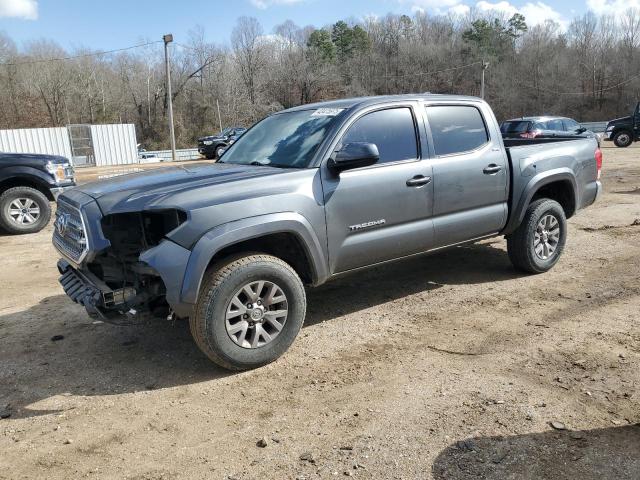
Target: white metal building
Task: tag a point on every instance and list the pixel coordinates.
(86, 145)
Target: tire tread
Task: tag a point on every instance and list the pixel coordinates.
(215, 276)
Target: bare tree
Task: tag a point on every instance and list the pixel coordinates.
(248, 48)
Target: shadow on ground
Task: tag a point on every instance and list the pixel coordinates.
(101, 359)
(608, 453)
(467, 265)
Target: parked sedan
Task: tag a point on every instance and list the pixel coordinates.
(544, 127)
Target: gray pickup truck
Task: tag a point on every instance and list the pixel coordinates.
(304, 196)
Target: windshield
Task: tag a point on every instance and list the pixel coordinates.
(282, 140)
(521, 126)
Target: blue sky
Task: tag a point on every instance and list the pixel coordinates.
(109, 24)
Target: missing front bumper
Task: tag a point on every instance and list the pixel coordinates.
(101, 302)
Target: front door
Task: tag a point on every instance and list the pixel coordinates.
(469, 173)
(380, 212)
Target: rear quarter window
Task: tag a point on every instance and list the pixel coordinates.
(456, 128)
(520, 126)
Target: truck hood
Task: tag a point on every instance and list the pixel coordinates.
(173, 186)
(214, 138)
(31, 158)
(620, 121)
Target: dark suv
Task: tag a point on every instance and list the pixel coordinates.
(543, 127)
(214, 146)
(624, 131)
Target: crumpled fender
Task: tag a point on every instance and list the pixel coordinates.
(233, 232)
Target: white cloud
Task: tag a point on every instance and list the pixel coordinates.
(460, 9)
(498, 7)
(538, 13)
(609, 6)
(433, 4)
(264, 4)
(26, 9)
(535, 13)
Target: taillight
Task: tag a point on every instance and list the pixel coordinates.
(532, 134)
(598, 156)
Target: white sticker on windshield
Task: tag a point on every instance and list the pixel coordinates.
(327, 112)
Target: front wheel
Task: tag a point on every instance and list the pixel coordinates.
(220, 151)
(537, 244)
(24, 210)
(622, 139)
(249, 311)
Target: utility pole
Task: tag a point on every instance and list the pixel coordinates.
(219, 117)
(485, 65)
(167, 40)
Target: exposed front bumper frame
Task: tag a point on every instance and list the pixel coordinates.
(89, 291)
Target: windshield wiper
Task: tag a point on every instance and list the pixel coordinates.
(275, 165)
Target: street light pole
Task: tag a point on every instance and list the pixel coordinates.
(485, 65)
(167, 40)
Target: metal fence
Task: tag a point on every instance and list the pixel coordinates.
(85, 145)
(52, 141)
(165, 155)
(596, 127)
(114, 144)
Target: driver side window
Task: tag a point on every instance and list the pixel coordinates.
(571, 125)
(392, 130)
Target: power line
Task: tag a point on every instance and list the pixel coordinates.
(73, 57)
(435, 72)
(611, 87)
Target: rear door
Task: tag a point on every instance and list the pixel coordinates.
(556, 127)
(469, 173)
(383, 211)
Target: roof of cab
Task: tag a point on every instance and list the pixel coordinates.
(366, 101)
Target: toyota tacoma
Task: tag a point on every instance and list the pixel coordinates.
(304, 196)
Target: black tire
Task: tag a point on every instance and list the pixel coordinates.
(222, 282)
(623, 139)
(217, 150)
(520, 244)
(16, 226)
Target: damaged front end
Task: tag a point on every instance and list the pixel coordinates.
(136, 277)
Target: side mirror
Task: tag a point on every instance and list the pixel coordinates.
(354, 155)
(581, 130)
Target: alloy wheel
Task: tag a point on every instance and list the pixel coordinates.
(256, 314)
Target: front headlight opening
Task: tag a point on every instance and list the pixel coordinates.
(60, 171)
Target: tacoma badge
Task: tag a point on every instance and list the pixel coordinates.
(362, 226)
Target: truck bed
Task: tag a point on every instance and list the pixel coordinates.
(531, 159)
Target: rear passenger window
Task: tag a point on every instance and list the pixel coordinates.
(456, 128)
(392, 130)
(555, 125)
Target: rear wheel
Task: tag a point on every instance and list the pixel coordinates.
(622, 139)
(24, 210)
(537, 244)
(249, 311)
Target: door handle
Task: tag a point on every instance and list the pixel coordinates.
(418, 181)
(491, 169)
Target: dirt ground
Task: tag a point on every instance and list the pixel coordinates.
(450, 366)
